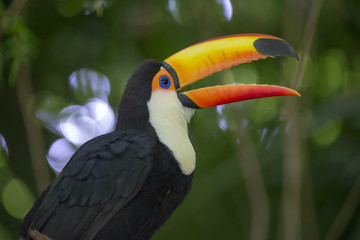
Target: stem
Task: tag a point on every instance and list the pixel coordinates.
(255, 186)
(309, 33)
(34, 134)
(293, 141)
(292, 176)
(346, 212)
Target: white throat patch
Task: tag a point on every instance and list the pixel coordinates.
(169, 118)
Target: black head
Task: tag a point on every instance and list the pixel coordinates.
(133, 109)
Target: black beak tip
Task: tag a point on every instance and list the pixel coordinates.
(275, 48)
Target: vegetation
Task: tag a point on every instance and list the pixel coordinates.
(278, 168)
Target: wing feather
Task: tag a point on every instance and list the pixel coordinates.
(100, 178)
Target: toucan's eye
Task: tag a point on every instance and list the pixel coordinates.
(164, 82)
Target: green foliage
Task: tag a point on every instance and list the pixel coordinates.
(260, 163)
(17, 45)
(17, 198)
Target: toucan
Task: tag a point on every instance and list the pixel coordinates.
(127, 183)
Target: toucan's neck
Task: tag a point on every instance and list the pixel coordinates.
(132, 113)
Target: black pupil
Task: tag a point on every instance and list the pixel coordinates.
(164, 80)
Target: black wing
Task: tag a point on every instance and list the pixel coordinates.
(100, 178)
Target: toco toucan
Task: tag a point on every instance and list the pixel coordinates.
(125, 184)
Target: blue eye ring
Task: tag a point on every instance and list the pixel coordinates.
(164, 82)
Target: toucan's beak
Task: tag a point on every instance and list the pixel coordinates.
(200, 60)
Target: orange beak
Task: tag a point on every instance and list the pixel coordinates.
(203, 59)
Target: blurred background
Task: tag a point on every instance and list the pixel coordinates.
(277, 168)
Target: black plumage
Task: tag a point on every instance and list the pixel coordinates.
(121, 185)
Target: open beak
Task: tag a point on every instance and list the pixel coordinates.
(203, 59)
